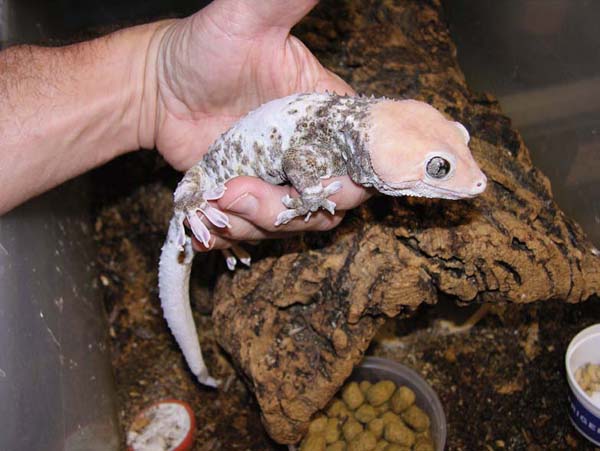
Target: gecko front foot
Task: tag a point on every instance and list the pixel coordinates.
(311, 200)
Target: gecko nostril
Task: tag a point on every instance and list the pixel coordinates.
(480, 185)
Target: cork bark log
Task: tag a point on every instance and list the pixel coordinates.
(299, 320)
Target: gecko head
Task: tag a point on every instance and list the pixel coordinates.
(416, 151)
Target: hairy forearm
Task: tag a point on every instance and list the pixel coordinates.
(66, 110)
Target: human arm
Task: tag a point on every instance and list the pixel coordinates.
(66, 110)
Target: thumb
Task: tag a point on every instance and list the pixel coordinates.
(251, 17)
(281, 13)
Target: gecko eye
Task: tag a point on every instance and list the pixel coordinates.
(438, 167)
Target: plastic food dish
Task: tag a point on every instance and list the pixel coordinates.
(584, 410)
(167, 425)
(375, 369)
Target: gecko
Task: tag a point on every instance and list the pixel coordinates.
(397, 147)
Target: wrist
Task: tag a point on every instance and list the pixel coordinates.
(147, 84)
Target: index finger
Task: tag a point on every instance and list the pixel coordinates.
(260, 202)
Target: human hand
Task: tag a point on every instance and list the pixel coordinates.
(222, 62)
(253, 205)
(214, 67)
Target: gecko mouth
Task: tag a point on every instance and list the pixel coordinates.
(423, 189)
(450, 193)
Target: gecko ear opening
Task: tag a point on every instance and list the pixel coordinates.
(464, 131)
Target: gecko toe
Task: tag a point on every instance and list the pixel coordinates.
(332, 188)
(286, 216)
(291, 202)
(215, 216)
(199, 230)
(215, 193)
(329, 206)
(180, 236)
(230, 259)
(241, 254)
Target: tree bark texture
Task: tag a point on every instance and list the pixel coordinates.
(302, 316)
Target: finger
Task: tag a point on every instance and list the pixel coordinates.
(315, 77)
(243, 230)
(219, 243)
(259, 203)
(215, 242)
(350, 196)
(247, 232)
(281, 14)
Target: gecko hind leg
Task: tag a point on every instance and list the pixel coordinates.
(310, 200)
(235, 254)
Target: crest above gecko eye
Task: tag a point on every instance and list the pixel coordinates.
(438, 168)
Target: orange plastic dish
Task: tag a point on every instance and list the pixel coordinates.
(168, 425)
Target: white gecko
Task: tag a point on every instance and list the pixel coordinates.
(400, 148)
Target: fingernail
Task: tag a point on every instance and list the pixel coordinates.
(244, 205)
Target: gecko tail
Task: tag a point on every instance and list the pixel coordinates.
(173, 283)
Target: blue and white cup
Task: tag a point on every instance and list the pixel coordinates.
(584, 410)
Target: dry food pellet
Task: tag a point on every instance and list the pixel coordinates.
(397, 432)
(365, 441)
(376, 427)
(416, 418)
(351, 429)
(364, 386)
(389, 417)
(402, 399)
(395, 447)
(380, 392)
(426, 434)
(423, 445)
(339, 410)
(317, 425)
(371, 416)
(337, 446)
(365, 413)
(352, 395)
(332, 430)
(313, 442)
(382, 408)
